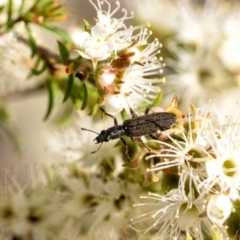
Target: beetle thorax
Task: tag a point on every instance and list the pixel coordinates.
(110, 134)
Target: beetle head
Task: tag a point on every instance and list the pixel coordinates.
(104, 136)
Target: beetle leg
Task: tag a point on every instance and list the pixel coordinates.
(97, 149)
(133, 113)
(142, 143)
(146, 146)
(114, 119)
(126, 148)
(147, 109)
(153, 137)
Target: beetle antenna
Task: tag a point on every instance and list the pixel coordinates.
(97, 149)
(85, 129)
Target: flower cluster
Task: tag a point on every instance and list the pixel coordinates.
(204, 61)
(186, 171)
(15, 64)
(126, 65)
(71, 204)
(204, 157)
(19, 58)
(195, 164)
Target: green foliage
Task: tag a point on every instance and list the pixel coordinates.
(87, 26)
(4, 115)
(20, 11)
(46, 11)
(85, 96)
(158, 99)
(32, 42)
(63, 51)
(69, 87)
(42, 12)
(9, 12)
(50, 88)
(36, 70)
(59, 31)
(234, 224)
(8, 127)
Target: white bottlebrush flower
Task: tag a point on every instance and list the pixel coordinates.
(150, 54)
(231, 22)
(230, 47)
(15, 66)
(219, 208)
(106, 77)
(95, 203)
(160, 8)
(204, 19)
(177, 17)
(114, 103)
(110, 35)
(105, 18)
(114, 204)
(76, 33)
(83, 197)
(139, 79)
(32, 213)
(134, 60)
(139, 83)
(173, 213)
(188, 154)
(210, 65)
(223, 168)
(74, 144)
(226, 104)
(197, 77)
(228, 53)
(101, 41)
(138, 90)
(94, 46)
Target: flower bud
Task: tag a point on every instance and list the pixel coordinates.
(106, 77)
(219, 208)
(114, 103)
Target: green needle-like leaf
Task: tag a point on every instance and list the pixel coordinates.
(158, 99)
(31, 39)
(94, 109)
(87, 26)
(9, 12)
(61, 32)
(8, 127)
(21, 7)
(63, 51)
(69, 87)
(85, 97)
(40, 71)
(49, 85)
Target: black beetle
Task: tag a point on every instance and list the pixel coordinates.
(137, 126)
